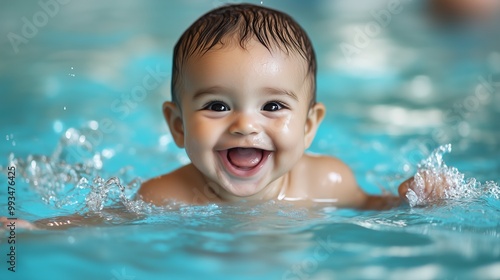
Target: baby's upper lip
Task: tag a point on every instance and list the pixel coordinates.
(246, 143)
(245, 147)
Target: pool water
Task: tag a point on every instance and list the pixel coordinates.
(83, 131)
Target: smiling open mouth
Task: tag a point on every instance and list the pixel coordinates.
(244, 158)
(244, 162)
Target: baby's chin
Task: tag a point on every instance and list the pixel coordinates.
(242, 190)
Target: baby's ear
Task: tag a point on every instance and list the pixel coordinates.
(173, 117)
(314, 117)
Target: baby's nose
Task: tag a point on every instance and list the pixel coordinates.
(244, 124)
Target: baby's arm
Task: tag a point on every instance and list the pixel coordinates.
(18, 223)
(333, 179)
(61, 222)
(431, 190)
(74, 220)
(381, 202)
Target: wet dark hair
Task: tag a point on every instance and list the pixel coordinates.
(271, 28)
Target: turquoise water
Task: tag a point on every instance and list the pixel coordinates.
(74, 106)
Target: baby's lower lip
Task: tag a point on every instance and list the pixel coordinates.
(244, 171)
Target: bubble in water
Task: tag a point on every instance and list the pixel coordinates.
(71, 73)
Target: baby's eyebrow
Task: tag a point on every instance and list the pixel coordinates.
(280, 91)
(210, 90)
(267, 90)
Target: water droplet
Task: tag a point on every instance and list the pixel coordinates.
(68, 133)
(64, 108)
(108, 153)
(406, 167)
(57, 126)
(93, 125)
(71, 74)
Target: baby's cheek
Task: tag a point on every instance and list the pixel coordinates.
(289, 133)
(196, 136)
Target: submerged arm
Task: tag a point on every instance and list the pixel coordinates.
(74, 220)
(385, 202)
(61, 222)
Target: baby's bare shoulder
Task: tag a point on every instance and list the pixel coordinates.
(327, 168)
(177, 185)
(328, 178)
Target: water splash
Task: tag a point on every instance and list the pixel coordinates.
(70, 178)
(435, 182)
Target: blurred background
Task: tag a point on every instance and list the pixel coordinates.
(398, 77)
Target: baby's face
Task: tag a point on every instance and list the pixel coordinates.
(245, 117)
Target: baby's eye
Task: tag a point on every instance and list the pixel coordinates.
(217, 106)
(273, 106)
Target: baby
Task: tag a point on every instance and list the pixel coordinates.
(244, 108)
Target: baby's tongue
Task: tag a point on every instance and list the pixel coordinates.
(244, 157)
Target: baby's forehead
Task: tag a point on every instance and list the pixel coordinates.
(231, 41)
(249, 57)
(215, 66)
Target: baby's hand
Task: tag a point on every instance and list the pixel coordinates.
(15, 224)
(426, 187)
